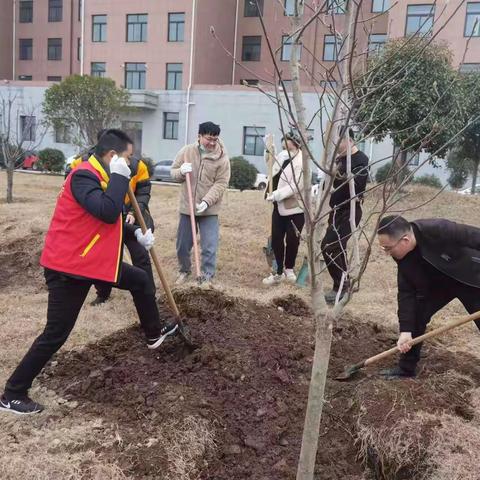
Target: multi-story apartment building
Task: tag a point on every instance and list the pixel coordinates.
(177, 56)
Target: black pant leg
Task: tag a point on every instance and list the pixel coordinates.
(103, 289)
(334, 244)
(140, 257)
(279, 228)
(425, 310)
(137, 282)
(470, 298)
(333, 247)
(295, 225)
(65, 299)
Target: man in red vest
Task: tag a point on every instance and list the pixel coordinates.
(84, 245)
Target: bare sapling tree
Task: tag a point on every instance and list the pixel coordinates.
(20, 132)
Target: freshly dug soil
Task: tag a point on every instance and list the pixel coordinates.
(19, 262)
(249, 380)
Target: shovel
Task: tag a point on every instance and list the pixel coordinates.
(194, 227)
(351, 370)
(268, 250)
(171, 301)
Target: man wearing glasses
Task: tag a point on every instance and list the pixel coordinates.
(207, 163)
(438, 261)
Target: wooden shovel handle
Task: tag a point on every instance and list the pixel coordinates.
(191, 206)
(425, 336)
(153, 253)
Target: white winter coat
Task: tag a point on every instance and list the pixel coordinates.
(289, 184)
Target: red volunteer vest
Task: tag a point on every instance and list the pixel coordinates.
(79, 244)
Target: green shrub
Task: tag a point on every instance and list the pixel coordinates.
(243, 173)
(51, 159)
(429, 180)
(385, 171)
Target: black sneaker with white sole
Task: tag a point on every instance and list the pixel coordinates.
(166, 331)
(20, 406)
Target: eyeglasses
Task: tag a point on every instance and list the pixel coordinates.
(389, 248)
(210, 139)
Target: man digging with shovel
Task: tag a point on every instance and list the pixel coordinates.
(83, 245)
(204, 170)
(438, 260)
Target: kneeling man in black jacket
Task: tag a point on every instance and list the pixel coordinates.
(438, 260)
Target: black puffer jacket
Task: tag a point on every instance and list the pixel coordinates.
(447, 251)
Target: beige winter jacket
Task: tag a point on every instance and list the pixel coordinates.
(290, 184)
(210, 176)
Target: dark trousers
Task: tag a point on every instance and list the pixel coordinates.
(334, 243)
(140, 258)
(285, 238)
(65, 299)
(428, 306)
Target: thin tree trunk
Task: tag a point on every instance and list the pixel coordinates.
(9, 185)
(474, 177)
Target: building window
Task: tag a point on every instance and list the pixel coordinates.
(170, 125)
(135, 74)
(24, 78)
(54, 49)
(137, 27)
(62, 134)
(176, 27)
(26, 49)
(55, 10)
(79, 10)
(54, 78)
(251, 9)
(337, 6)
(289, 7)
(469, 67)
(98, 69)
(330, 48)
(174, 76)
(379, 6)
(79, 48)
(420, 19)
(251, 48)
(28, 127)
(99, 28)
(376, 42)
(472, 20)
(26, 11)
(287, 44)
(253, 143)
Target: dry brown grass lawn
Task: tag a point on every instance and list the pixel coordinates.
(50, 445)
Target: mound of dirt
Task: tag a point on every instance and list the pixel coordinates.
(234, 408)
(293, 305)
(20, 262)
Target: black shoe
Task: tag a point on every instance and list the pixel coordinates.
(331, 296)
(98, 301)
(21, 405)
(165, 332)
(396, 372)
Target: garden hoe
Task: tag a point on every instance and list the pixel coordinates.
(182, 330)
(194, 228)
(270, 157)
(350, 371)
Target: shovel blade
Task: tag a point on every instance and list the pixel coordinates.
(350, 372)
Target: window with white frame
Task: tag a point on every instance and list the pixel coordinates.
(135, 76)
(420, 19)
(287, 44)
(472, 20)
(379, 6)
(253, 143)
